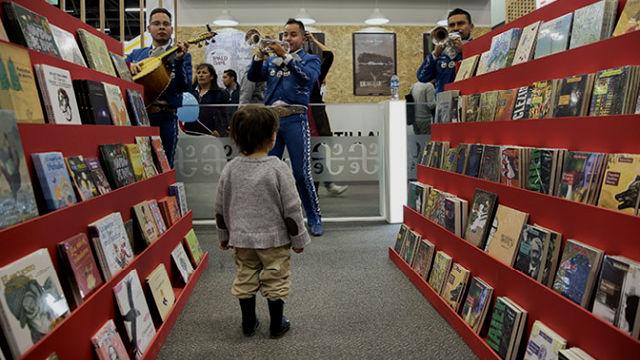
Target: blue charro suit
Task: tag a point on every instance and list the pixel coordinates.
(442, 69)
(290, 81)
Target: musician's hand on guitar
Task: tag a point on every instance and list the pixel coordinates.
(183, 48)
(278, 49)
(134, 68)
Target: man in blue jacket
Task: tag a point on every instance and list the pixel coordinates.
(162, 112)
(290, 78)
(441, 64)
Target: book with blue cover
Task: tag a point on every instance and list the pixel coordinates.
(553, 36)
(577, 272)
(54, 180)
(475, 158)
(503, 49)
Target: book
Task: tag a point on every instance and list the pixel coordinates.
(446, 106)
(172, 209)
(543, 343)
(135, 158)
(477, 303)
(426, 153)
(577, 174)
(117, 108)
(83, 275)
(95, 50)
(116, 162)
(97, 175)
(157, 216)
(455, 286)
(16, 192)
(504, 104)
(471, 107)
(81, 178)
(111, 242)
(483, 63)
(629, 319)
(161, 291)
(467, 68)
(416, 196)
(526, 44)
(541, 170)
(144, 144)
(54, 180)
(32, 301)
(137, 110)
(490, 164)
(608, 297)
(522, 103)
(610, 91)
(455, 213)
(3, 37)
(177, 190)
(424, 258)
(505, 328)
(532, 252)
(67, 45)
(402, 234)
(572, 95)
(96, 106)
(621, 184)
(629, 18)
(481, 216)
(410, 247)
(511, 159)
(108, 343)
(133, 308)
(159, 155)
(120, 64)
(573, 354)
(504, 238)
(30, 29)
(488, 104)
(193, 248)
(146, 223)
(593, 23)
(475, 160)
(503, 49)
(440, 271)
(460, 161)
(553, 36)
(449, 161)
(577, 271)
(58, 95)
(182, 262)
(542, 95)
(18, 90)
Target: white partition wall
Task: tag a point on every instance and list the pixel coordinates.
(395, 161)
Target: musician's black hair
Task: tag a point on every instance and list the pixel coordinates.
(458, 11)
(160, 11)
(297, 22)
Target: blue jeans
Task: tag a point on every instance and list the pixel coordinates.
(168, 124)
(294, 133)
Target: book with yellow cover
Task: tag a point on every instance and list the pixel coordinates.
(133, 153)
(193, 247)
(455, 285)
(504, 238)
(467, 67)
(439, 271)
(629, 19)
(161, 291)
(621, 184)
(18, 90)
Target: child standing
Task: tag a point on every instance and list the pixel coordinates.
(259, 214)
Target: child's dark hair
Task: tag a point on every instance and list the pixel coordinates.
(252, 127)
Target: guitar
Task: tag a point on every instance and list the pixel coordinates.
(154, 74)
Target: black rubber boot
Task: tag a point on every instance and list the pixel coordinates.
(279, 323)
(249, 320)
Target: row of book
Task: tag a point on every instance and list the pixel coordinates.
(589, 24)
(612, 91)
(114, 244)
(610, 181)
(504, 234)
(471, 298)
(64, 181)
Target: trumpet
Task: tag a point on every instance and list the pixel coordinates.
(262, 44)
(441, 36)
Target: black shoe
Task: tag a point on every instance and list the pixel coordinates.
(249, 320)
(279, 323)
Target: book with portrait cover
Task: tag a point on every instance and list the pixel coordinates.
(135, 158)
(146, 223)
(440, 271)
(481, 217)
(577, 175)
(54, 180)
(506, 327)
(410, 247)
(58, 95)
(424, 258)
(117, 165)
(526, 44)
(81, 177)
(455, 286)
(542, 96)
(144, 144)
(83, 276)
(572, 95)
(117, 108)
(503, 242)
(467, 68)
(621, 184)
(629, 18)
(32, 301)
(488, 104)
(177, 189)
(577, 272)
(159, 155)
(503, 49)
(132, 306)
(593, 22)
(67, 45)
(511, 159)
(95, 50)
(629, 319)
(532, 253)
(157, 216)
(181, 260)
(111, 242)
(18, 90)
(504, 104)
(121, 66)
(471, 106)
(402, 234)
(30, 29)
(543, 343)
(161, 291)
(522, 103)
(17, 199)
(137, 110)
(97, 175)
(490, 164)
(108, 343)
(476, 303)
(553, 36)
(193, 247)
(609, 288)
(475, 159)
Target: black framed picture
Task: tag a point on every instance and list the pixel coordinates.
(374, 62)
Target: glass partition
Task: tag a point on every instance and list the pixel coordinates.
(418, 134)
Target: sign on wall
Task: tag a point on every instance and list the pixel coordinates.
(374, 62)
(229, 51)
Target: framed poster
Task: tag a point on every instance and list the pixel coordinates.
(374, 62)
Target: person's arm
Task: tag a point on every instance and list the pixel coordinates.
(430, 97)
(303, 72)
(327, 61)
(183, 72)
(223, 231)
(258, 70)
(292, 208)
(427, 71)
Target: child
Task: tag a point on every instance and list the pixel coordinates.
(258, 212)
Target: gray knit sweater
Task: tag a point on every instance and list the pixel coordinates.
(258, 206)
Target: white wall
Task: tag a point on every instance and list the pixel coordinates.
(407, 12)
(497, 11)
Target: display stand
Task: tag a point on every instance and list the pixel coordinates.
(71, 338)
(613, 232)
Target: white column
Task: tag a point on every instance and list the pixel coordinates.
(395, 160)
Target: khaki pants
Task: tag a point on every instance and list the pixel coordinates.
(266, 270)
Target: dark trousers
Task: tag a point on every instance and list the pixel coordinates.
(168, 124)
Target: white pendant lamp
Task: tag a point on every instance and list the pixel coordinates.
(225, 19)
(376, 18)
(305, 17)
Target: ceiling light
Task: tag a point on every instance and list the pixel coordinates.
(225, 19)
(134, 9)
(376, 18)
(305, 17)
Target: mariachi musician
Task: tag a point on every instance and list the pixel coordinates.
(162, 111)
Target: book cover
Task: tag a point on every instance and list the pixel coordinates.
(504, 104)
(17, 200)
(553, 257)
(30, 29)
(502, 327)
(439, 271)
(116, 162)
(67, 45)
(575, 180)
(117, 108)
(510, 161)
(402, 234)
(541, 99)
(629, 18)
(108, 343)
(32, 301)
(576, 272)
(58, 95)
(436, 154)
(451, 220)
(504, 238)
(621, 184)
(81, 177)
(490, 165)
(416, 196)
(18, 90)
(137, 110)
(3, 37)
(177, 190)
(111, 243)
(411, 244)
(159, 155)
(78, 257)
(54, 180)
(460, 161)
(572, 96)
(121, 67)
(449, 161)
(629, 319)
(543, 343)
(488, 104)
(135, 158)
(426, 153)
(553, 36)
(477, 303)
(590, 23)
(97, 175)
(424, 258)
(532, 252)
(455, 285)
(193, 247)
(95, 50)
(146, 223)
(481, 216)
(182, 262)
(444, 106)
(96, 103)
(157, 216)
(467, 68)
(475, 159)
(522, 103)
(161, 291)
(133, 308)
(609, 91)
(483, 63)
(503, 48)
(609, 289)
(172, 210)
(144, 144)
(541, 170)
(471, 107)
(526, 44)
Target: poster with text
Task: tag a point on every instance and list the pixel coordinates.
(229, 51)
(374, 62)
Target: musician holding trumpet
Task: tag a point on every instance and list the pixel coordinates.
(441, 64)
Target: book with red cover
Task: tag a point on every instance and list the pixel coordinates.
(108, 343)
(159, 155)
(168, 214)
(84, 275)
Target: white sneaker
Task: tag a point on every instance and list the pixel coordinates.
(336, 190)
